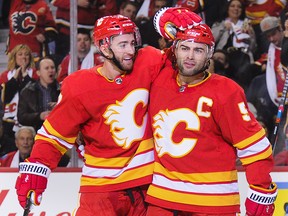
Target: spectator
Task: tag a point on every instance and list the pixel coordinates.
(120, 2)
(281, 158)
(87, 58)
(148, 8)
(129, 9)
(148, 33)
(265, 90)
(24, 140)
(39, 97)
(234, 31)
(32, 22)
(108, 104)
(145, 11)
(201, 123)
(20, 71)
(221, 63)
(236, 36)
(257, 10)
(87, 12)
(210, 11)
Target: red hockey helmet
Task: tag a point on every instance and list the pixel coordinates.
(108, 26)
(199, 34)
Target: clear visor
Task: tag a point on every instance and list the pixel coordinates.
(209, 49)
(138, 41)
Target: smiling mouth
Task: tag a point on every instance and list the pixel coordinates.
(128, 60)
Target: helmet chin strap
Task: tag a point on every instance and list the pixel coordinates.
(114, 60)
(205, 67)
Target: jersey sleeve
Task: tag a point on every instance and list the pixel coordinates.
(154, 59)
(240, 128)
(50, 24)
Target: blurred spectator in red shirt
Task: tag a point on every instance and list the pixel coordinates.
(86, 56)
(257, 10)
(31, 22)
(87, 13)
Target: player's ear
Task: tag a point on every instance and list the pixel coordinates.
(105, 50)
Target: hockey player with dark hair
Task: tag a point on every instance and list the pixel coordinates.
(201, 123)
(108, 104)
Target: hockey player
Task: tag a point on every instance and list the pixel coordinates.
(108, 104)
(201, 123)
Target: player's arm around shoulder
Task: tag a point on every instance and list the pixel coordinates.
(150, 59)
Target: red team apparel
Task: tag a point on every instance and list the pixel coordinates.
(119, 146)
(86, 17)
(258, 9)
(196, 130)
(63, 70)
(28, 20)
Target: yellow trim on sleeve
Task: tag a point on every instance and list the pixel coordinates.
(51, 141)
(257, 157)
(250, 140)
(55, 133)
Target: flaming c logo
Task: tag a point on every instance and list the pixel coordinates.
(23, 22)
(165, 123)
(121, 118)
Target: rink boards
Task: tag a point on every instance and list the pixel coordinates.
(60, 197)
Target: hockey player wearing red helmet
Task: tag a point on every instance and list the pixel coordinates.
(108, 104)
(201, 123)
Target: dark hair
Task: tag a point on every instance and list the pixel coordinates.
(226, 7)
(41, 59)
(84, 31)
(223, 52)
(127, 2)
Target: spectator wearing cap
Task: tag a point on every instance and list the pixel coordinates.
(257, 10)
(265, 90)
(275, 75)
(281, 159)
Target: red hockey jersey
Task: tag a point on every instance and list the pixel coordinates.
(199, 130)
(28, 20)
(86, 17)
(64, 66)
(257, 10)
(112, 116)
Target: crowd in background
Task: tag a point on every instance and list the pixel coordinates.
(249, 48)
